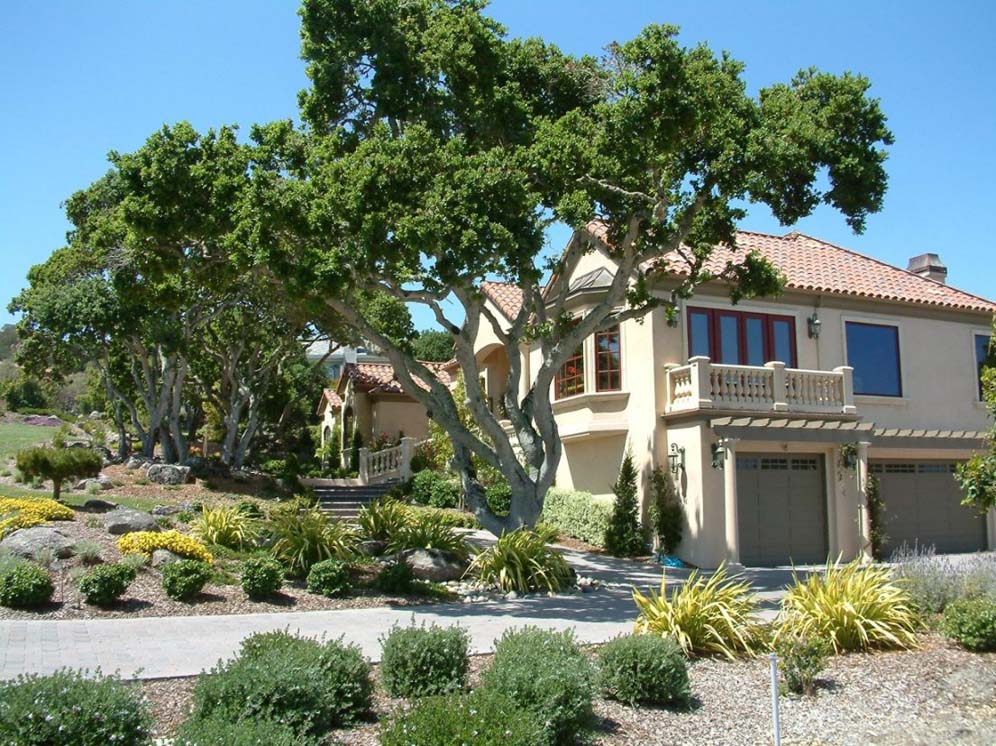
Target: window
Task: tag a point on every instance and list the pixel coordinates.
(741, 338)
(983, 356)
(570, 377)
(608, 361)
(873, 352)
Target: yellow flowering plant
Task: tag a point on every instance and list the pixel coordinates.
(146, 542)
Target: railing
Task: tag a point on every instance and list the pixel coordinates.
(769, 388)
(387, 464)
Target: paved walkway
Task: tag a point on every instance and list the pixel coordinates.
(162, 647)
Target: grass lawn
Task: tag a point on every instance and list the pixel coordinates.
(14, 436)
(77, 499)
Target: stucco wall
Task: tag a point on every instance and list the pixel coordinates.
(394, 417)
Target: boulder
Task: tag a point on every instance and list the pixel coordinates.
(28, 542)
(166, 510)
(434, 564)
(125, 520)
(372, 547)
(96, 505)
(102, 482)
(168, 474)
(137, 462)
(162, 557)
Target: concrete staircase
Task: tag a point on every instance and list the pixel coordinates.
(344, 500)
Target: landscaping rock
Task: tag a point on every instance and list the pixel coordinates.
(161, 510)
(28, 542)
(125, 520)
(96, 505)
(162, 557)
(168, 474)
(434, 565)
(103, 482)
(372, 547)
(137, 462)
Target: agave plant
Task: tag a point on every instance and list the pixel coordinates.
(383, 519)
(428, 532)
(851, 607)
(226, 526)
(304, 538)
(706, 616)
(521, 561)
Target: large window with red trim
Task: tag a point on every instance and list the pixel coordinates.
(570, 377)
(741, 337)
(608, 360)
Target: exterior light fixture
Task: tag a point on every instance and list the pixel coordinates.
(718, 455)
(676, 459)
(813, 323)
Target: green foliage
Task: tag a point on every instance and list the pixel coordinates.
(935, 581)
(330, 578)
(382, 519)
(546, 673)
(355, 444)
(666, 515)
(623, 537)
(396, 577)
(977, 477)
(435, 489)
(801, 660)
(227, 526)
(303, 538)
(88, 551)
(58, 465)
(25, 392)
(307, 685)
(104, 585)
(424, 661)
(261, 577)
(434, 345)
(971, 622)
(23, 584)
(850, 607)
(499, 497)
(714, 616)
(577, 514)
(476, 719)
(67, 708)
(218, 732)
(184, 579)
(134, 562)
(643, 669)
(521, 561)
(428, 532)
(876, 517)
(445, 516)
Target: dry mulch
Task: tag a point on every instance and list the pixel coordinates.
(937, 695)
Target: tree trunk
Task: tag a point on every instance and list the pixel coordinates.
(56, 488)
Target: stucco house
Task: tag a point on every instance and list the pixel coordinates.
(772, 413)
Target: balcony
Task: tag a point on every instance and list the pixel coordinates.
(769, 388)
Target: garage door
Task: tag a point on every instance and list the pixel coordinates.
(782, 509)
(923, 506)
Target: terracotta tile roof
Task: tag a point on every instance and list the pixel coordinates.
(329, 399)
(505, 295)
(815, 265)
(380, 378)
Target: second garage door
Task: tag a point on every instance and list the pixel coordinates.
(923, 507)
(782, 509)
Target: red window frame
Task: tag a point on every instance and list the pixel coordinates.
(569, 380)
(715, 344)
(603, 360)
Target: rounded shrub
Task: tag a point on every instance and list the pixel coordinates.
(330, 578)
(499, 497)
(261, 577)
(477, 719)
(433, 488)
(545, 672)
(104, 585)
(396, 577)
(67, 708)
(643, 669)
(184, 579)
(422, 661)
(24, 584)
(217, 732)
(307, 685)
(971, 622)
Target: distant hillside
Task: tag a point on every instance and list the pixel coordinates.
(8, 338)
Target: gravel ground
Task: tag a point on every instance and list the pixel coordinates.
(936, 695)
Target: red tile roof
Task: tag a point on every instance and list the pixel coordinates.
(505, 295)
(329, 399)
(380, 378)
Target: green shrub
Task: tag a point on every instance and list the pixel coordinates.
(666, 515)
(477, 719)
(306, 537)
(58, 464)
(545, 672)
(261, 577)
(801, 660)
(330, 578)
(428, 532)
(382, 519)
(433, 488)
(933, 581)
(521, 561)
(577, 514)
(624, 537)
(643, 669)
(184, 579)
(134, 561)
(396, 577)
(104, 585)
(23, 584)
(88, 551)
(307, 685)
(971, 622)
(499, 497)
(424, 661)
(226, 526)
(217, 732)
(446, 516)
(67, 709)
(250, 509)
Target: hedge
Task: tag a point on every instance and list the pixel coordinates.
(577, 514)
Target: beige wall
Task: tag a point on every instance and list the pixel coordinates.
(394, 417)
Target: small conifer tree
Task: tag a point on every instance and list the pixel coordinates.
(623, 537)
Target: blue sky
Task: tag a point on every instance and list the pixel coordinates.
(79, 79)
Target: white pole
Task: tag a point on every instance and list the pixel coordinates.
(774, 699)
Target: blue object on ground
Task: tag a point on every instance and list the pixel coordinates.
(669, 560)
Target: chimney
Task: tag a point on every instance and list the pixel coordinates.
(929, 266)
